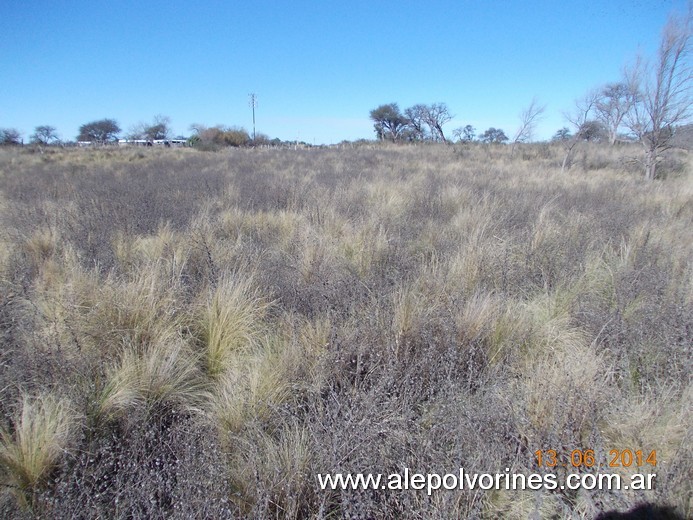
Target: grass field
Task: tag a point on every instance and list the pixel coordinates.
(199, 335)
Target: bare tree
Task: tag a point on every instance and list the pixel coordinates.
(436, 116)
(664, 92)
(197, 128)
(614, 103)
(464, 134)
(529, 118)
(137, 131)
(160, 128)
(579, 120)
(416, 116)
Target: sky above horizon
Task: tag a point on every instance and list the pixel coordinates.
(317, 68)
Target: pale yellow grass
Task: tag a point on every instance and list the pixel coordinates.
(276, 466)
(161, 374)
(41, 432)
(230, 321)
(275, 369)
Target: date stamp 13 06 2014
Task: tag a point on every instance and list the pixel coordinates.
(587, 458)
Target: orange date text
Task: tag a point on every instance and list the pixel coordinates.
(587, 458)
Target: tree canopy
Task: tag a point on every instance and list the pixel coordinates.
(418, 122)
(10, 136)
(493, 135)
(100, 131)
(44, 134)
(389, 122)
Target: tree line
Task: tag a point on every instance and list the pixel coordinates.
(423, 122)
(647, 105)
(650, 103)
(107, 130)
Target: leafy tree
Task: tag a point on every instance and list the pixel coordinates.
(562, 134)
(389, 122)
(203, 136)
(10, 136)
(493, 135)
(418, 123)
(215, 137)
(592, 131)
(261, 140)
(156, 132)
(194, 141)
(101, 131)
(233, 136)
(45, 135)
(159, 129)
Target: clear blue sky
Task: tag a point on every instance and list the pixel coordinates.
(317, 67)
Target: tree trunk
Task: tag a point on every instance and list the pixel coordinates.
(568, 152)
(613, 135)
(565, 161)
(650, 165)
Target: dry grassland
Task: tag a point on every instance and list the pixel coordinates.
(191, 335)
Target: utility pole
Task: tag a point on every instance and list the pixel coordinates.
(253, 104)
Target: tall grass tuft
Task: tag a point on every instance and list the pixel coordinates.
(42, 429)
(251, 388)
(153, 378)
(271, 475)
(229, 322)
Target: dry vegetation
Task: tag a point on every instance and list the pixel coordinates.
(189, 335)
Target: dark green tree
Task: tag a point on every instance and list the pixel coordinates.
(101, 131)
(493, 135)
(10, 136)
(593, 131)
(389, 122)
(562, 134)
(159, 129)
